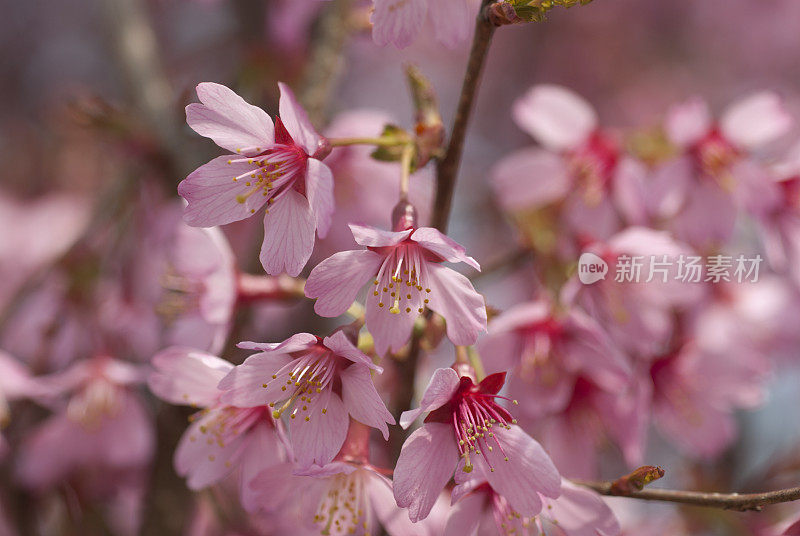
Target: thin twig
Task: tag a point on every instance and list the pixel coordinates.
(447, 168)
(729, 501)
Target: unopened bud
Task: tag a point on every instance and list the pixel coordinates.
(324, 148)
(404, 216)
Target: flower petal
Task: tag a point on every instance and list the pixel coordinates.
(369, 236)
(295, 343)
(227, 119)
(319, 190)
(556, 117)
(189, 377)
(424, 467)
(756, 120)
(335, 282)
(362, 399)
(296, 121)
(455, 299)
(200, 458)
(389, 331)
(397, 21)
(465, 516)
(530, 178)
(244, 385)
(580, 511)
(341, 345)
(261, 450)
(452, 20)
(288, 235)
(688, 122)
(445, 247)
(528, 472)
(318, 440)
(440, 389)
(212, 194)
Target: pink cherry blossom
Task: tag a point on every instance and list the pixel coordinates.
(103, 425)
(478, 507)
(407, 275)
(717, 174)
(222, 439)
(548, 352)
(278, 165)
(342, 497)
(465, 424)
(579, 164)
(318, 382)
(399, 22)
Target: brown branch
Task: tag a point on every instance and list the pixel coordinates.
(741, 502)
(447, 168)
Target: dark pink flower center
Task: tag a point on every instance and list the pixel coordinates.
(226, 424)
(475, 414)
(713, 155)
(593, 164)
(303, 381)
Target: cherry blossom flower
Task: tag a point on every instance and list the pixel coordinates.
(400, 21)
(465, 424)
(104, 425)
(278, 165)
(478, 507)
(717, 173)
(318, 382)
(548, 352)
(407, 276)
(222, 439)
(578, 164)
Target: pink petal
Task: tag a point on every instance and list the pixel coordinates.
(200, 458)
(591, 351)
(629, 190)
(296, 121)
(448, 249)
(185, 376)
(424, 467)
(389, 331)
(365, 235)
(688, 122)
(128, 438)
(669, 187)
(244, 385)
(212, 193)
(295, 343)
(440, 390)
(51, 452)
(465, 517)
(319, 190)
(756, 121)
(362, 400)
(262, 449)
(530, 178)
(520, 316)
(455, 299)
(708, 217)
(341, 345)
(393, 519)
(319, 439)
(581, 512)
(452, 20)
(528, 472)
(397, 21)
(227, 119)
(288, 235)
(335, 282)
(556, 117)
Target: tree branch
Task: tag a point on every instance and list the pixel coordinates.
(741, 502)
(447, 168)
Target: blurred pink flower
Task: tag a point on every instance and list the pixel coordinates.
(277, 165)
(408, 276)
(717, 173)
(465, 426)
(342, 497)
(578, 511)
(546, 353)
(319, 382)
(578, 164)
(399, 22)
(103, 426)
(222, 439)
(15, 383)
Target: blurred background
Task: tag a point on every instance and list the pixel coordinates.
(93, 142)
